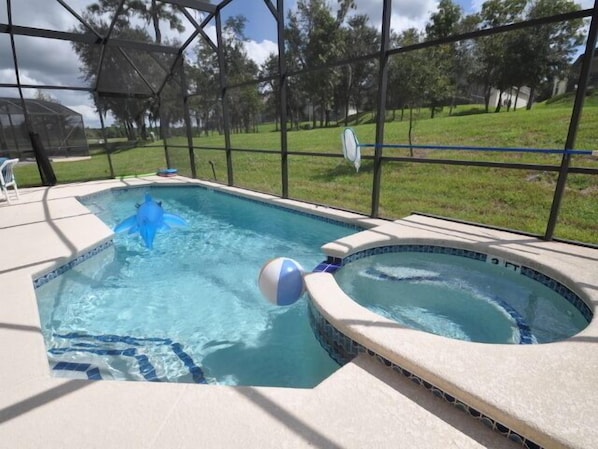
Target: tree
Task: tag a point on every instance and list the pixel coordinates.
(131, 111)
(269, 69)
(442, 60)
(530, 57)
(238, 68)
(154, 13)
(160, 11)
(314, 39)
(297, 98)
(445, 21)
(465, 61)
(205, 85)
(168, 108)
(357, 80)
(116, 74)
(550, 47)
(491, 51)
(408, 76)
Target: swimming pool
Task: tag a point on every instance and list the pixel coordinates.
(461, 294)
(189, 310)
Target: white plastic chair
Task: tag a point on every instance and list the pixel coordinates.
(7, 178)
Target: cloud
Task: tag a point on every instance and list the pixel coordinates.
(46, 14)
(43, 61)
(48, 61)
(405, 13)
(89, 113)
(259, 51)
(476, 5)
(7, 75)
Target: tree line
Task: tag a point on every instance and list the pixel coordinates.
(317, 34)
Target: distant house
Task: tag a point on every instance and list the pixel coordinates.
(576, 69)
(569, 83)
(514, 97)
(559, 86)
(61, 130)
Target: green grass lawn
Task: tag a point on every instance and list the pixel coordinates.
(515, 199)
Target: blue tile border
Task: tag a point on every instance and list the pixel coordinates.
(343, 349)
(562, 290)
(117, 190)
(414, 249)
(41, 280)
(326, 267)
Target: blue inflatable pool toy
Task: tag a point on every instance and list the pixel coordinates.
(150, 218)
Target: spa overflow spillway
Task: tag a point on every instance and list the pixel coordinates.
(188, 310)
(461, 294)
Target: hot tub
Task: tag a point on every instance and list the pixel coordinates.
(462, 294)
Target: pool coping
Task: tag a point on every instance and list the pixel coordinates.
(358, 406)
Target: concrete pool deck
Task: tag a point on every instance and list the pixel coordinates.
(547, 392)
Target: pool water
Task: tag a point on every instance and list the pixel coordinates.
(190, 309)
(460, 298)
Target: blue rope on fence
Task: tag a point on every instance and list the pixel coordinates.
(468, 148)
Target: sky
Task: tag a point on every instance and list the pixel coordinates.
(53, 62)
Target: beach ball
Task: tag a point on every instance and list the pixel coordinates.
(281, 281)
